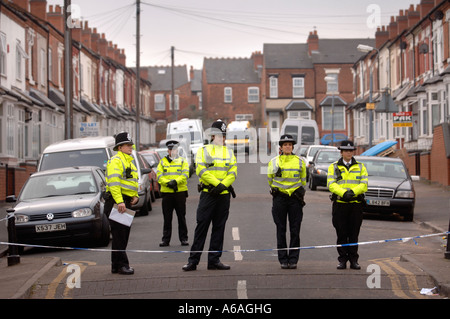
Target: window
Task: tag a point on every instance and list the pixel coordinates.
(42, 67)
(338, 118)
(298, 87)
(273, 84)
(160, 102)
(424, 117)
(333, 86)
(253, 95)
(435, 109)
(50, 65)
(176, 103)
(3, 52)
(228, 95)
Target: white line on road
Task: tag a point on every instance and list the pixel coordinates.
(235, 233)
(237, 254)
(242, 289)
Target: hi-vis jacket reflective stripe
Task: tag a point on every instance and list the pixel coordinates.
(293, 173)
(117, 182)
(177, 169)
(216, 164)
(356, 178)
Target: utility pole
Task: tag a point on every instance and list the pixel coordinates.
(68, 81)
(172, 100)
(138, 74)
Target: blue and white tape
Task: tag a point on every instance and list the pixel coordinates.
(404, 240)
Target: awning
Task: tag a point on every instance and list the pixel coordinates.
(337, 101)
(91, 107)
(59, 98)
(44, 99)
(108, 111)
(25, 97)
(299, 105)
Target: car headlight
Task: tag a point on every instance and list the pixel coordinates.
(21, 218)
(322, 172)
(83, 212)
(405, 194)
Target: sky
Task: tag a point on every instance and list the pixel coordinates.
(227, 29)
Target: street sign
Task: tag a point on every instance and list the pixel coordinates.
(370, 106)
(402, 119)
(89, 129)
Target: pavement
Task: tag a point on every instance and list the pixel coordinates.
(17, 281)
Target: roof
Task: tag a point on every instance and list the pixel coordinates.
(235, 70)
(161, 77)
(296, 56)
(287, 56)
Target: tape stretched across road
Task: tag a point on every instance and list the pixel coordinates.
(404, 240)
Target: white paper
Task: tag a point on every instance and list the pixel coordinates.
(125, 218)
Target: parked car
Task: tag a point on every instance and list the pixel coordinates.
(64, 204)
(144, 205)
(390, 188)
(318, 167)
(338, 137)
(154, 185)
(309, 155)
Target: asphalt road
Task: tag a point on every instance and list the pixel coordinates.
(255, 272)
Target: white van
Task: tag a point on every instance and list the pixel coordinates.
(91, 151)
(188, 129)
(305, 132)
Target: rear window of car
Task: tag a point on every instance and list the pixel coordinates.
(91, 157)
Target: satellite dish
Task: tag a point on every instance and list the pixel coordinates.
(423, 48)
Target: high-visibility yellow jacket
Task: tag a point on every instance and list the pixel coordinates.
(216, 164)
(287, 173)
(355, 178)
(116, 179)
(176, 169)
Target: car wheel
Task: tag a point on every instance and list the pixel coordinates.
(409, 215)
(311, 184)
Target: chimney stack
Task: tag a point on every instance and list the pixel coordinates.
(425, 7)
(313, 42)
(55, 17)
(381, 36)
(38, 8)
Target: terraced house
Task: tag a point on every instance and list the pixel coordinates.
(32, 97)
(410, 73)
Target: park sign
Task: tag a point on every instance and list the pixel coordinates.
(402, 119)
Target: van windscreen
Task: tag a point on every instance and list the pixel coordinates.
(292, 130)
(308, 135)
(91, 157)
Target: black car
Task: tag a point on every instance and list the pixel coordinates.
(318, 167)
(64, 204)
(390, 188)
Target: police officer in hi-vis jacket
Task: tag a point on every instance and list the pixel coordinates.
(172, 174)
(286, 175)
(122, 189)
(347, 179)
(217, 170)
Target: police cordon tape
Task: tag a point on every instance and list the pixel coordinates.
(404, 240)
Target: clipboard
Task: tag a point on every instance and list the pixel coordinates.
(125, 218)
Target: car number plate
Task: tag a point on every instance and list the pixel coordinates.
(50, 227)
(378, 202)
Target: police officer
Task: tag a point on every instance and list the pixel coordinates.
(217, 170)
(287, 176)
(172, 174)
(122, 189)
(347, 179)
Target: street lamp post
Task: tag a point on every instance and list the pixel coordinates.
(367, 49)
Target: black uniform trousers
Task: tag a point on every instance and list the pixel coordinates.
(120, 234)
(347, 220)
(177, 201)
(211, 209)
(286, 208)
